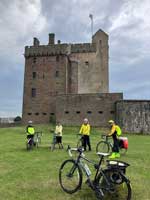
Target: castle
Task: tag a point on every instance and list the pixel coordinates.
(68, 82)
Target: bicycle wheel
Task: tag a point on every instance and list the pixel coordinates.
(80, 143)
(103, 147)
(114, 186)
(37, 143)
(70, 176)
(52, 147)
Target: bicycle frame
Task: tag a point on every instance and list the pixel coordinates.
(81, 157)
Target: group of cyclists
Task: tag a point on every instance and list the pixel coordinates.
(85, 129)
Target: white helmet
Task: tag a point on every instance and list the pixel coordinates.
(30, 122)
(86, 120)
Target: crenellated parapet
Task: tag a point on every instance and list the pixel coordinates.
(55, 49)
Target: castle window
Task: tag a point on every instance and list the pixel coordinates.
(57, 74)
(34, 75)
(78, 112)
(36, 113)
(66, 112)
(57, 58)
(87, 63)
(89, 112)
(52, 113)
(29, 113)
(34, 60)
(112, 112)
(33, 92)
(100, 112)
(44, 113)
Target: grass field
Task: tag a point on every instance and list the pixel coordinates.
(33, 175)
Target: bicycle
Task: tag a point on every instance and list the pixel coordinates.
(54, 141)
(29, 143)
(109, 182)
(106, 146)
(80, 140)
(37, 138)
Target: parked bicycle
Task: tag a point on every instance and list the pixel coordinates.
(105, 145)
(37, 138)
(52, 147)
(109, 183)
(54, 141)
(79, 140)
(30, 143)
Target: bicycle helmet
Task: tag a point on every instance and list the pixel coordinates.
(111, 121)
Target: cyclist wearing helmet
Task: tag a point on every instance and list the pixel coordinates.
(114, 132)
(85, 131)
(30, 130)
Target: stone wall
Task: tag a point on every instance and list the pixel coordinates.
(60, 69)
(50, 79)
(98, 108)
(133, 115)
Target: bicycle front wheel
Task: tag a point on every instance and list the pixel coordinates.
(80, 143)
(103, 147)
(114, 186)
(70, 176)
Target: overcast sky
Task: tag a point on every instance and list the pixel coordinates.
(126, 21)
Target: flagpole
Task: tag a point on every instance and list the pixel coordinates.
(91, 17)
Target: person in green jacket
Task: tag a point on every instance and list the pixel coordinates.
(30, 130)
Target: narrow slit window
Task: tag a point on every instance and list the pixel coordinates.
(112, 112)
(57, 74)
(87, 63)
(33, 92)
(34, 60)
(78, 112)
(89, 112)
(34, 75)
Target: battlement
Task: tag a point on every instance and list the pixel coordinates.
(55, 49)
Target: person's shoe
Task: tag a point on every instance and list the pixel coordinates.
(113, 155)
(117, 155)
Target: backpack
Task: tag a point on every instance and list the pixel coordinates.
(118, 129)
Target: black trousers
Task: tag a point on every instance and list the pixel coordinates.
(116, 144)
(86, 141)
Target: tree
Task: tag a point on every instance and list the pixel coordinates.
(17, 119)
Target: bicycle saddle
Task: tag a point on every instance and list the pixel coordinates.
(102, 154)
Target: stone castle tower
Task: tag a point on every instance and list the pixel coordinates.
(62, 69)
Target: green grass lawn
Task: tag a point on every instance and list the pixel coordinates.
(33, 175)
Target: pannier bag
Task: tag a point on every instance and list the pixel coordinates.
(124, 142)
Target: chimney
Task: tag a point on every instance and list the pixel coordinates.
(51, 38)
(36, 42)
(59, 42)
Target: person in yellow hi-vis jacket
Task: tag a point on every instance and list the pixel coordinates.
(114, 132)
(58, 132)
(85, 131)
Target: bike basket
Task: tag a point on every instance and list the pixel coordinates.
(116, 164)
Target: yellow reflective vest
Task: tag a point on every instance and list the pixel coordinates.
(85, 129)
(30, 130)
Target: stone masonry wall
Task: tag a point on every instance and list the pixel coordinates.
(98, 108)
(133, 115)
(49, 80)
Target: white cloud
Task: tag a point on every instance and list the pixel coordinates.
(19, 20)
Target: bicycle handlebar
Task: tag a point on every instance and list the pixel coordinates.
(79, 150)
